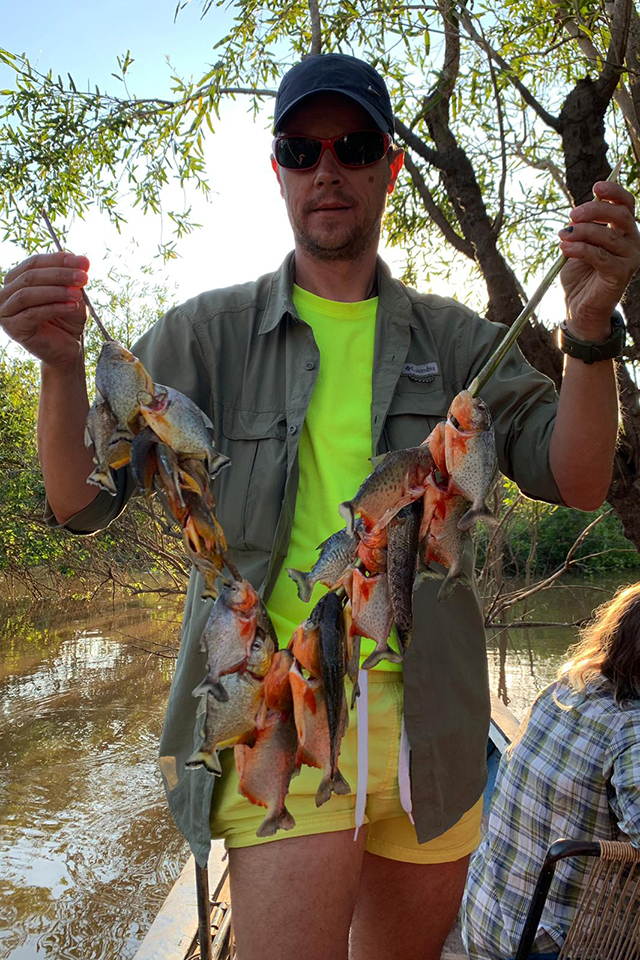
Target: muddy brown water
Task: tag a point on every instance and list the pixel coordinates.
(88, 851)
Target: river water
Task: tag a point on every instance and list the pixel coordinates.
(87, 848)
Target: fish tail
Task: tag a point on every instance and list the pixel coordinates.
(346, 512)
(471, 517)
(200, 758)
(386, 653)
(329, 784)
(103, 479)
(302, 583)
(280, 820)
(214, 687)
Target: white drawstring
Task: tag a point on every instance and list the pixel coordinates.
(404, 772)
(362, 713)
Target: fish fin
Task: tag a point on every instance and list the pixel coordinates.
(385, 654)
(306, 758)
(471, 517)
(301, 581)
(120, 433)
(214, 687)
(104, 480)
(201, 758)
(331, 784)
(87, 437)
(404, 637)
(377, 460)
(218, 463)
(346, 512)
(426, 573)
(280, 820)
(354, 695)
(450, 581)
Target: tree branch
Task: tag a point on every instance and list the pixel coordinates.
(524, 92)
(435, 213)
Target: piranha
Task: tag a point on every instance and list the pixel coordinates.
(120, 377)
(181, 424)
(266, 769)
(99, 430)
(445, 542)
(394, 482)
(470, 451)
(402, 554)
(312, 725)
(229, 635)
(230, 722)
(336, 553)
(372, 616)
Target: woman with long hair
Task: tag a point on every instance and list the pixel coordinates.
(572, 771)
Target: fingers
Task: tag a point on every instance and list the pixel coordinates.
(63, 260)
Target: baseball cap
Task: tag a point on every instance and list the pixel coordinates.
(335, 73)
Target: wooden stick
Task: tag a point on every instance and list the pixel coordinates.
(514, 331)
(204, 914)
(103, 330)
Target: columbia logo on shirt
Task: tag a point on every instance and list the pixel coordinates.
(422, 372)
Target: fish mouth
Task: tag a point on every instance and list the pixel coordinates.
(149, 401)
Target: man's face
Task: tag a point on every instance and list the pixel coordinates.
(335, 211)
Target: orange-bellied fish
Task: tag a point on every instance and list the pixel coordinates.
(470, 450)
(394, 482)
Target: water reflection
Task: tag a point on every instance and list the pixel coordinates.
(523, 661)
(87, 848)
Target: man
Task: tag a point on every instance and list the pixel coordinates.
(305, 373)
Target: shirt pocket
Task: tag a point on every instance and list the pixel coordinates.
(412, 416)
(251, 488)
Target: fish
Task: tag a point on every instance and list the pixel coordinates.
(333, 667)
(336, 553)
(471, 459)
(312, 726)
(228, 636)
(120, 377)
(402, 554)
(445, 542)
(99, 429)
(228, 722)
(372, 616)
(265, 770)
(181, 424)
(394, 482)
(144, 460)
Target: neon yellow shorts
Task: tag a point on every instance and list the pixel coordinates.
(390, 833)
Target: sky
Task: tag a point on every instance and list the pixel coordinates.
(245, 231)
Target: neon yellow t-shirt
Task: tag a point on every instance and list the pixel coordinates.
(334, 449)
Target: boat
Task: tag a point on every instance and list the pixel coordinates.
(175, 933)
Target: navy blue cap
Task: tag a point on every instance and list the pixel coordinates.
(335, 73)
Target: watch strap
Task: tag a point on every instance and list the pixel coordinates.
(590, 352)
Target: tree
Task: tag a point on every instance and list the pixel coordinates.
(493, 102)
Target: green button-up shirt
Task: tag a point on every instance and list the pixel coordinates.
(249, 362)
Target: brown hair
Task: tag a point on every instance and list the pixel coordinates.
(609, 646)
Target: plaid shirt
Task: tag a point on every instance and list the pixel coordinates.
(574, 774)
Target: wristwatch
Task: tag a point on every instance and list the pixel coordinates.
(590, 352)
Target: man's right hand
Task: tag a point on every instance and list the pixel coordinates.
(41, 307)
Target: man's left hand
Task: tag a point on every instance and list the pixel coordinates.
(603, 247)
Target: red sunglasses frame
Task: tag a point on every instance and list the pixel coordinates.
(329, 145)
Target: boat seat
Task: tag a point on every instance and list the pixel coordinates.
(606, 925)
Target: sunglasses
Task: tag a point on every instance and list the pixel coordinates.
(350, 150)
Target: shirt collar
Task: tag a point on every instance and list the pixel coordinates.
(391, 293)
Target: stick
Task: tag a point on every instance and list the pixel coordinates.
(103, 330)
(514, 331)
